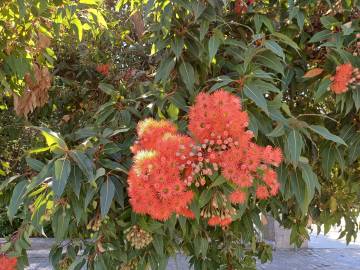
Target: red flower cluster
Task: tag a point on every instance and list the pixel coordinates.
(345, 75)
(103, 69)
(7, 263)
(167, 164)
(155, 185)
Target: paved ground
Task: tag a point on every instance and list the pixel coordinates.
(305, 259)
(324, 252)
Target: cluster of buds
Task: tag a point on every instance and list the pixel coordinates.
(94, 224)
(203, 158)
(137, 237)
(219, 211)
(357, 48)
(129, 265)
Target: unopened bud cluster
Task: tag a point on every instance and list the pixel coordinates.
(137, 237)
(219, 211)
(129, 265)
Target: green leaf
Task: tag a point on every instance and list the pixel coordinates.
(204, 247)
(198, 8)
(187, 75)
(270, 61)
(214, 44)
(99, 17)
(78, 263)
(16, 199)
(5, 184)
(78, 26)
(324, 132)
(119, 191)
(107, 88)
(107, 193)
(84, 163)
(53, 140)
(205, 197)
(62, 173)
(275, 48)
(256, 95)
(310, 178)
(356, 98)
(34, 164)
(204, 27)
(320, 36)
(295, 145)
(158, 244)
(277, 131)
(327, 154)
(60, 224)
(300, 190)
(163, 72)
(177, 46)
(285, 39)
(89, 2)
(322, 89)
(329, 21)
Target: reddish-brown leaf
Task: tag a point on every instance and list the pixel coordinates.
(313, 72)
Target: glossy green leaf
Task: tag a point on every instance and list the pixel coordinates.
(16, 199)
(256, 95)
(214, 44)
(62, 172)
(177, 46)
(53, 140)
(84, 163)
(295, 144)
(324, 132)
(107, 193)
(275, 48)
(187, 75)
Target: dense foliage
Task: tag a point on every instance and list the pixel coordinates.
(81, 75)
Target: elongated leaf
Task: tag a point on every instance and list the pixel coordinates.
(53, 140)
(322, 89)
(285, 39)
(107, 193)
(34, 164)
(62, 173)
(16, 198)
(324, 132)
(107, 88)
(187, 75)
(256, 95)
(319, 36)
(275, 48)
(295, 145)
(356, 98)
(310, 179)
(327, 158)
(60, 224)
(4, 184)
(300, 190)
(177, 46)
(313, 72)
(84, 163)
(214, 44)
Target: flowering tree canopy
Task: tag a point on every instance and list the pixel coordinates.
(132, 130)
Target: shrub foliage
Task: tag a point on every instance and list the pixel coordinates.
(80, 76)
